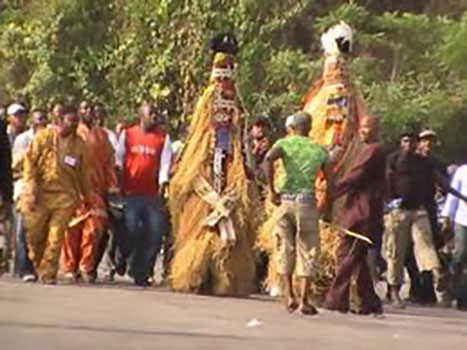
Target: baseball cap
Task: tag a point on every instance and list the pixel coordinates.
(427, 133)
(16, 109)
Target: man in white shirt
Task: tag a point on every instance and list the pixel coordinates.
(23, 266)
(455, 212)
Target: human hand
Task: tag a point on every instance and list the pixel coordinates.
(446, 230)
(446, 225)
(163, 189)
(114, 191)
(275, 198)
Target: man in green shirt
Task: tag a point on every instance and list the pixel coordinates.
(297, 220)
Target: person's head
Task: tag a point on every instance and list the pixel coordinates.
(57, 110)
(301, 123)
(408, 141)
(68, 122)
(39, 119)
(121, 125)
(86, 112)
(289, 125)
(368, 129)
(426, 142)
(17, 115)
(100, 114)
(260, 128)
(149, 117)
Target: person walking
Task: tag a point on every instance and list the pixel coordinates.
(455, 215)
(87, 227)
(362, 212)
(144, 156)
(56, 174)
(6, 193)
(410, 182)
(23, 266)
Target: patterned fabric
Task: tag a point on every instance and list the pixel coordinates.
(58, 165)
(46, 226)
(302, 160)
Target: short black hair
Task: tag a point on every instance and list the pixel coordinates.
(261, 120)
(69, 109)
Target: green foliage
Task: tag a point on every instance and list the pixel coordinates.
(409, 65)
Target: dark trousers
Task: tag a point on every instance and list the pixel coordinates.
(145, 227)
(352, 260)
(23, 266)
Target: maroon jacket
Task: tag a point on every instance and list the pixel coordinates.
(364, 185)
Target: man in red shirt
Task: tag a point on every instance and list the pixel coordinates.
(144, 155)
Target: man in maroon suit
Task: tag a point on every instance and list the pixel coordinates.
(364, 185)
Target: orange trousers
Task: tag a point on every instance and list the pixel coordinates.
(81, 243)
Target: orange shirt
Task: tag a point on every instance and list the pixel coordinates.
(101, 158)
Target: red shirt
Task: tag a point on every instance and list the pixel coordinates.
(142, 161)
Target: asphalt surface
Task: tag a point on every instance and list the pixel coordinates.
(113, 317)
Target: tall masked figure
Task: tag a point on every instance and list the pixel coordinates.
(212, 202)
(336, 108)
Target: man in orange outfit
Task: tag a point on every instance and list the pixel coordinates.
(88, 224)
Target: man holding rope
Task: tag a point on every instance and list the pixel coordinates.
(362, 213)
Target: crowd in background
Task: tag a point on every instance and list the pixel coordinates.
(78, 193)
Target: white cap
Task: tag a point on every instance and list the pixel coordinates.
(289, 121)
(427, 133)
(15, 109)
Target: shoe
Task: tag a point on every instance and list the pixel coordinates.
(121, 269)
(142, 283)
(307, 310)
(48, 281)
(30, 278)
(70, 278)
(88, 277)
(110, 276)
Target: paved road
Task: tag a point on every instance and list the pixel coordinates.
(36, 317)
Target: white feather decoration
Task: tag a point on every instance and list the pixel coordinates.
(328, 39)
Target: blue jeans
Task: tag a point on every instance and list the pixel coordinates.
(145, 226)
(23, 266)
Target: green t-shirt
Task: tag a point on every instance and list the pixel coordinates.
(302, 159)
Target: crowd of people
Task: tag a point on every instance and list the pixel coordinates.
(75, 194)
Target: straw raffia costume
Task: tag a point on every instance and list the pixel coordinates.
(213, 204)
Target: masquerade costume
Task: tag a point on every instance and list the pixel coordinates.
(212, 202)
(336, 109)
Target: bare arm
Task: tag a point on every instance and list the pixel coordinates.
(273, 155)
(445, 185)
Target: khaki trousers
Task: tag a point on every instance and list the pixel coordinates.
(401, 227)
(297, 238)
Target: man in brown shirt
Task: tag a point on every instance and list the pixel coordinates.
(362, 212)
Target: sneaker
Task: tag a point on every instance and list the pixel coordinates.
(142, 283)
(110, 276)
(29, 278)
(88, 277)
(70, 278)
